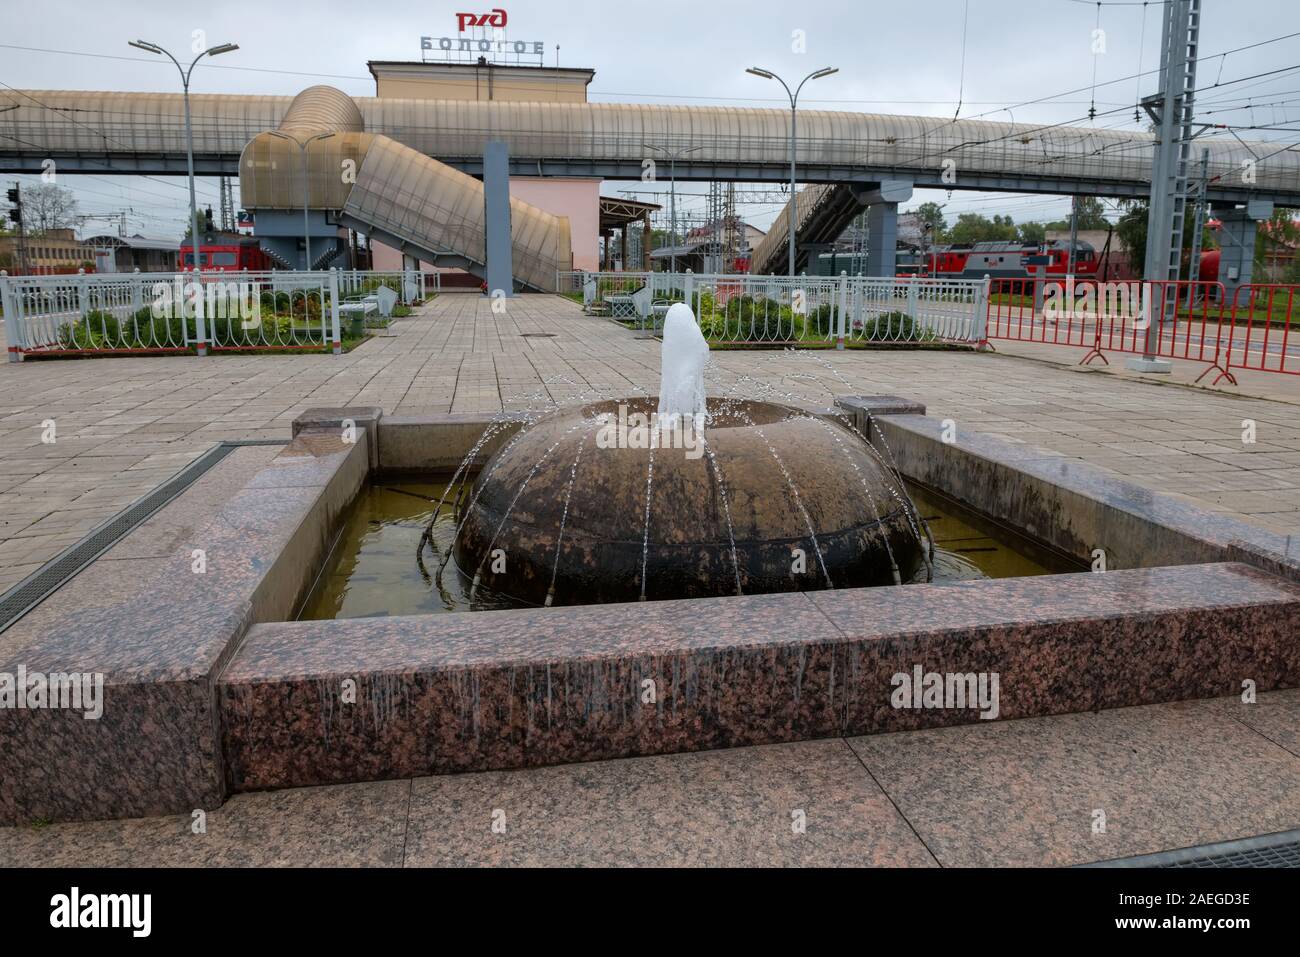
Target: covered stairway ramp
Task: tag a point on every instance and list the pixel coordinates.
(825, 210)
(391, 192)
(435, 213)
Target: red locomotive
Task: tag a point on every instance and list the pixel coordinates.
(226, 252)
(1011, 260)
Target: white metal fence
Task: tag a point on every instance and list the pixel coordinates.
(744, 309)
(916, 310)
(112, 313)
(409, 284)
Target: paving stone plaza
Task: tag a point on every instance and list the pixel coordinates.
(123, 425)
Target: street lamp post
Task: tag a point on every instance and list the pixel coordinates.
(672, 193)
(302, 148)
(189, 129)
(794, 102)
(927, 233)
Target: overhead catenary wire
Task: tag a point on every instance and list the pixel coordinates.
(1074, 120)
(940, 123)
(961, 76)
(1096, 35)
(1119, 147)
(97, 132)
(1142, 42)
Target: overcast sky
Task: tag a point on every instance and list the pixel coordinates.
(893, 57)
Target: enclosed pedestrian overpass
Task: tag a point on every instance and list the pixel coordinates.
(416, 160)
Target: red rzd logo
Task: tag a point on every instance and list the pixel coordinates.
(494, 18)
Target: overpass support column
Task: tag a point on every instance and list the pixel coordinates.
(1237, 241)
(882, 239)
(882, 225)
(496, 208)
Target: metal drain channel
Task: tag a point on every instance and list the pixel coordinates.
(1268, 850)
(50, 577)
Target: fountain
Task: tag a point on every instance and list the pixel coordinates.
(676, 496)
(752, 490)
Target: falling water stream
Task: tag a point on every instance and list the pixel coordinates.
(369, 571)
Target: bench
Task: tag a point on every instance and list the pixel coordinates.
(622, 307)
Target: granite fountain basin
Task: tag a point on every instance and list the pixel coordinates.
(213, 685)
(1178, 613)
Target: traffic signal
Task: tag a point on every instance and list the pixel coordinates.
(13, 195)
(16, 215)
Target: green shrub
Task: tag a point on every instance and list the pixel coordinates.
(306, 307)
(104, 323)
(95, 330)
(714, 327)
(742, 309)
(144, 330)
(889, 327)
(822, 320)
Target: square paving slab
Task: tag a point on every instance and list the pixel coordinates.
(1026, 792)
(732, 808)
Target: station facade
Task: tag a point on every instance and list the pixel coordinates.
(484, 80)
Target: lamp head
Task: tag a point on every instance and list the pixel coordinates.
(223, 48)
(765, 74)
(146, 46)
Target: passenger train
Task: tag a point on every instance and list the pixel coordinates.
(1011, 260)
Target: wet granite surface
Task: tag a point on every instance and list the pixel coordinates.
(439, 442)
(810, 803)
(778, 805)
(1276, 716)
(880, 405)
(1077, 506)
(523, 688)
(360, 825)
(1025, 793)
(332, 420)
(492, 690)
(994, 792)
(1085, 641)
(159, 632)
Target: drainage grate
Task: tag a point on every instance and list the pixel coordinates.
(1268, 850)
(50, 577)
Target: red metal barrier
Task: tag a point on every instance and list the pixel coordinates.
(1112, 316)
(1260, 329)
(1016, 313)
